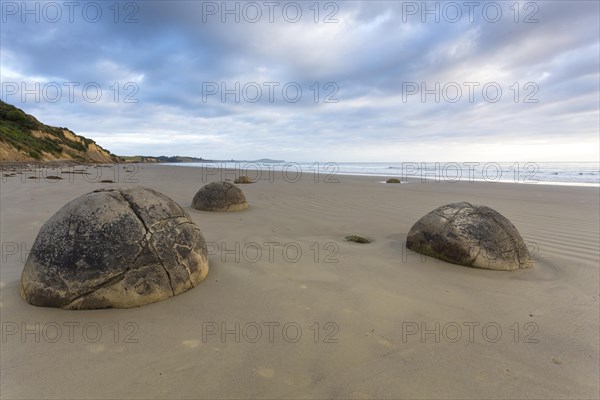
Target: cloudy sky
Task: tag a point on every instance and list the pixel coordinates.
(306, 81)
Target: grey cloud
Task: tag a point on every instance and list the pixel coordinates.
(369, 54)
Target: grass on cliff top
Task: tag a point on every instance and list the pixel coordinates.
(16, 127)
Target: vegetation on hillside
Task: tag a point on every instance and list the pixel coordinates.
(16, 129)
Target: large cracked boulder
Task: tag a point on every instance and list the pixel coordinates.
(114, 248)
(220, 196)
(471, 235)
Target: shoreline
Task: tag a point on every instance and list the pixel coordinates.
(412, 177)
(10, 166)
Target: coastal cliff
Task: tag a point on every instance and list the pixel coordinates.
(24, 138)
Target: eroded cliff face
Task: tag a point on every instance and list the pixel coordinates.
(24, 138)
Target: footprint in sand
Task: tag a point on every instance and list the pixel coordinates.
(482, 377)
(386, 343)
(192, 344)
(117, 349)
(267, 373)
(361, 395)
(97, 348)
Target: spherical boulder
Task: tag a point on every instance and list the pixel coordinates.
(114, 248)
(393, 180)
(471, 235)
(220, 196)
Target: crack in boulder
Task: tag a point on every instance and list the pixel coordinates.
(150, 245)
(512, 239)
(107, 283)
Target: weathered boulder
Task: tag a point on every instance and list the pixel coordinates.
(471, 235)
(220, 196)
(114, 248)
(393, 180)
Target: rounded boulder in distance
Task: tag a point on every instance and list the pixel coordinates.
(220, 196)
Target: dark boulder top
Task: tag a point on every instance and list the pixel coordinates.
(220, 196)
(114, 248)
(471, 235)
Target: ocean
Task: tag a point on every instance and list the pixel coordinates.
(556, 173)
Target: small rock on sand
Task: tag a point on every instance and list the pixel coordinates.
(357, 238)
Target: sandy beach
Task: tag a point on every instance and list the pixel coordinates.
(292, 310)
